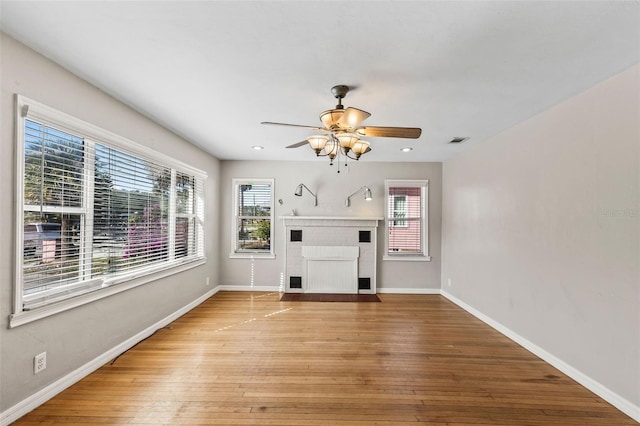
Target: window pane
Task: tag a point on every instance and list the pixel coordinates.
(185, 237)
(51, 244)
(254, 200)
(254, 234)
(184, 194)
(131, 212)
(53, 166)
(405, 237)
(400, 209)
(253, 217)
(405, 220)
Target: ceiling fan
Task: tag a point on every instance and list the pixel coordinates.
(342, 130)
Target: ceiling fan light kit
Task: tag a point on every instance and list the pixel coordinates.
(318, 142)
(330, 117)
(343, 131)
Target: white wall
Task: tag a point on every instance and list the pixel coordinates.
(76, 337)
(542, 231)
(332, 190)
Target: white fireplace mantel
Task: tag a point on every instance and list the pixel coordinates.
(330, 254)
(331, 221)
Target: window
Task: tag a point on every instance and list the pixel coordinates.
(97, 210)
(406, 218)
(400, 210)
(252, 233)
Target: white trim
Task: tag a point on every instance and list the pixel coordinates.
(21, 110)
(423, 184)
(25, 317)
(271, 254)
(333, 218)
(408, 258)
(32, 402)
(391, 290)
(270, 288)
(172, 217)
(622, 404)
(252, 255)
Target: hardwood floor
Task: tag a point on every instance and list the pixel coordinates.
(247, 358)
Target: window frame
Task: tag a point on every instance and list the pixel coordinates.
(80, 292)
(234, 254)
(423, 184)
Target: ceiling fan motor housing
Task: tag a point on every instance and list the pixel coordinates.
(340, 91)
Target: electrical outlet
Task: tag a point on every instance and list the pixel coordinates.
(207, 280)
(449, 282)
(39, 362)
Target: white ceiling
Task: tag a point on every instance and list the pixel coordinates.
(211, 71)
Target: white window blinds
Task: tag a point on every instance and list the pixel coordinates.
(95, 214)
(54, 181)
(253, 216)
(406, 218)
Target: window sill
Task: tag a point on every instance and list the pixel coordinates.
(408, 258)
(115, 287)
(252, 256)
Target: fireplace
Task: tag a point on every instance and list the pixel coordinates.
(330, 254)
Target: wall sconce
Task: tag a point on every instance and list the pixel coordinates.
(298, 193)
(367, 195)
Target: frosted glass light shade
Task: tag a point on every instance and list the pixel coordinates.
(331, 149)
(330, 117)
(347, 140)
(317, 142)
(360, 147)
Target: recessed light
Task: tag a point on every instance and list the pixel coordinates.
(406, 149)
(258, 147)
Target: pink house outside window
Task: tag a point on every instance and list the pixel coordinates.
(405, 229)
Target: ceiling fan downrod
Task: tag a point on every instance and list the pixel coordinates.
(340, 91)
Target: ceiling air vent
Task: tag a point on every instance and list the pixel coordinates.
(458, 140)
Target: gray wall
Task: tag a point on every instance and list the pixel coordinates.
(75, 337)
(332, 189)
(542, 229)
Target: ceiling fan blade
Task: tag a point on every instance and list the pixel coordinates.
(298, 145)
(352, 117)
(390, 132)
(295, 125)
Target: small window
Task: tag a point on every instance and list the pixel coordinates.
(406, 218)
(253, 215)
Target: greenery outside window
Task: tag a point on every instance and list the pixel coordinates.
(252, 233)
(97, 210)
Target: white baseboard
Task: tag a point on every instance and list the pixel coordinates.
(249, 288)
(594, 386)
(378, 290)
(408, 290)
(34, 401)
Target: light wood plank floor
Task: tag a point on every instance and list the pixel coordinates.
(247, 358)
